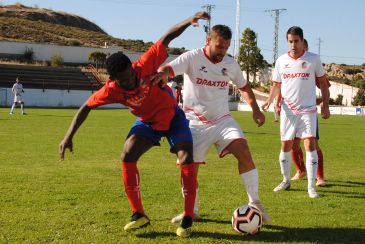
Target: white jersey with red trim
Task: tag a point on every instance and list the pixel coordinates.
(206, 85)
(298, 81)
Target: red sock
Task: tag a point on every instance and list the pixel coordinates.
(189, 183)
(131, 185)
(297, 157)
(320, 171)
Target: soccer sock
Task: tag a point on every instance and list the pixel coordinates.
(320, 170)
(297, 156)
(251, 181)
(311, 165)
(12, 108)
(131, 185)
(189, 184)
(196, 203)
(285, 160)
(22, 107)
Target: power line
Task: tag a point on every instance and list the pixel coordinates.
(208, 9)
(237, 41)
(275, 13)
(319, 46)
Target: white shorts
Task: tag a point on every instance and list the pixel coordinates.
(18, 99)
(221, 135)
(300, 126)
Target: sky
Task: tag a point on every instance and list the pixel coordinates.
(335, 24)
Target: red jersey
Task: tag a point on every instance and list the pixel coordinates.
(154, 105)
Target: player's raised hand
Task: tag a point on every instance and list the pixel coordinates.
(197, 16)
(65, 143)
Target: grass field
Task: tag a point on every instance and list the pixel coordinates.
(82, 199)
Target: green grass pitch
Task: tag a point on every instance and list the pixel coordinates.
(82, 199)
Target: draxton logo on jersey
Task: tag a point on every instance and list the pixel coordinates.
(206, 82)
(296, 75)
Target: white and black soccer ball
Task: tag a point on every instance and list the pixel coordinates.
(247, 220)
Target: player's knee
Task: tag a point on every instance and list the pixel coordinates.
(128, 156)
(185, 157)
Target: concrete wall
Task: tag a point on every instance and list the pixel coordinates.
(49, 98)
(70, 54)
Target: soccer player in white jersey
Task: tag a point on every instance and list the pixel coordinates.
(17, 90)
(207, 72)
(295, 76)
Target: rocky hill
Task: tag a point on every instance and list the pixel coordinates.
(31, 24)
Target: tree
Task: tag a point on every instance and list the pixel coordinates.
(249, 57)
(359, 99)
(98, 58)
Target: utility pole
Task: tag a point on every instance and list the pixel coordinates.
(208, 8)
(319, 46)
(237, 39)
(275, 13)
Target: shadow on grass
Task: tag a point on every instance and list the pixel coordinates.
(345, 184)
(280, 234)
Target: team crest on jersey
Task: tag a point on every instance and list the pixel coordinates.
(224, 71)
(304, 65)
(286, 66)
(203, 68)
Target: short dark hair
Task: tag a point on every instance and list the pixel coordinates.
(222, 31)
(117, 62)
(305, 43)
(295, 30)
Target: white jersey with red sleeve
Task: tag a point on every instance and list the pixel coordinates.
(206, 85)
(298, 81)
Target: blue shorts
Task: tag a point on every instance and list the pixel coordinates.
(179, 130)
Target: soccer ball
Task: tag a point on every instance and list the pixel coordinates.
(247, 220)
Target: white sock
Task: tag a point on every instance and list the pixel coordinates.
(311, 164)
(285, 161)
(12, 108)
(196, 203)
(251, 181)
(22, 107)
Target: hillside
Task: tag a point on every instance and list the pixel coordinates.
(39, 25)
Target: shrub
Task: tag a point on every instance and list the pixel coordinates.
(56, 60)
(28, 54)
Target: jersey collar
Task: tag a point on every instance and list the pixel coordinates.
(297, 57)
(206, 55)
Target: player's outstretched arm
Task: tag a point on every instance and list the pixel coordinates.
(179, 28)
(250, 98)
(77, 121)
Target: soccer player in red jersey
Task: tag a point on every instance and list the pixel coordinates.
(158, 115)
